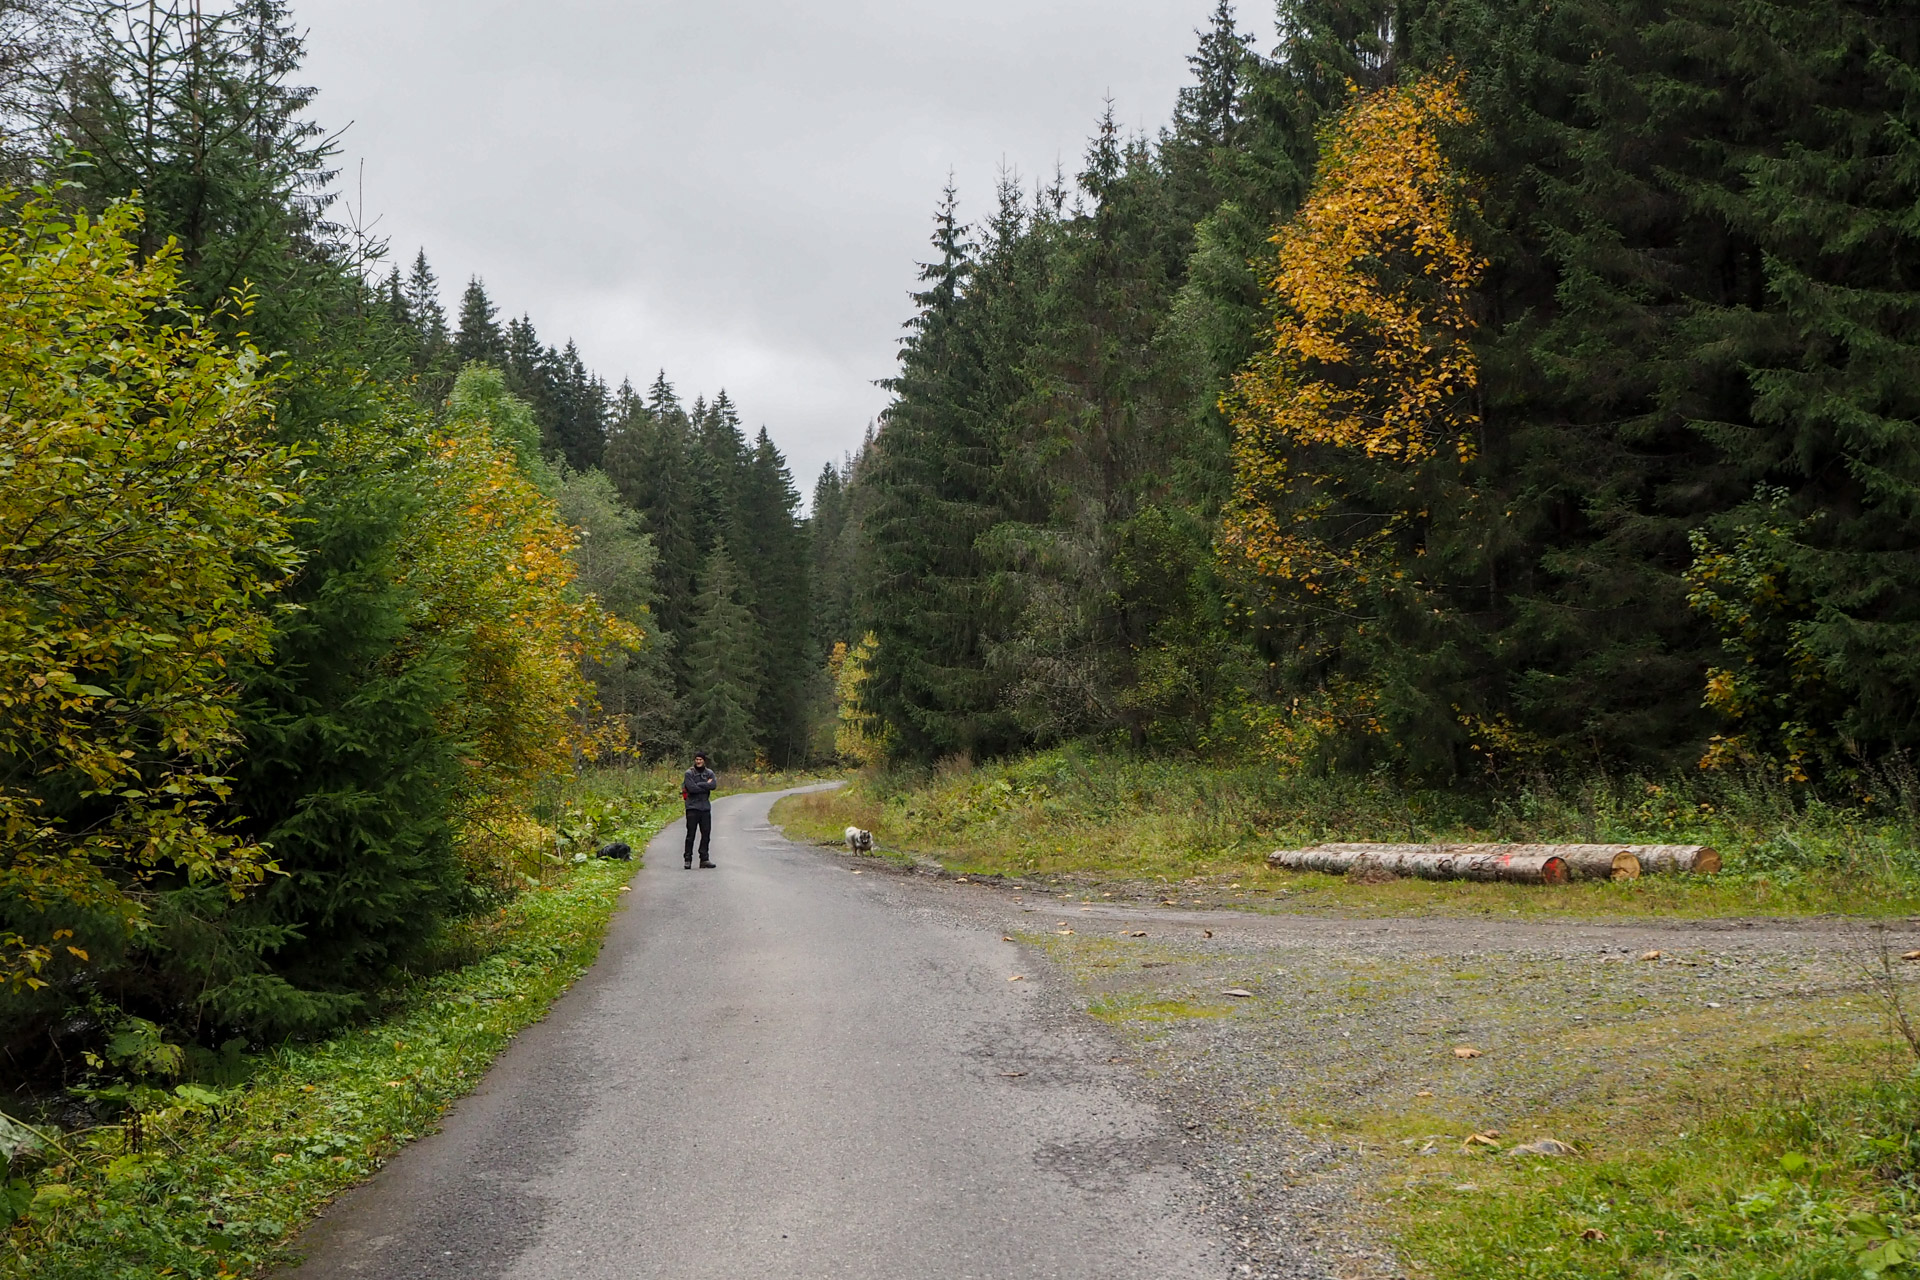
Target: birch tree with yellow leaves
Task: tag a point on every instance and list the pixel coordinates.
(493, 561)
(1355, 428)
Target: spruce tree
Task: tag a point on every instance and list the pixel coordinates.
(347, 773)
(721, 458)
(1804, 361)
(479, 336)
(831, 617)
(774, 559)
(576, 427)
(933, 479)
(650, 461)
(1099, 427)
(1208, 115)
(423, 301)
(723, 654)
(525, 366)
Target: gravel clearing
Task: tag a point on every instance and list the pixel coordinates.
(1369, 1047)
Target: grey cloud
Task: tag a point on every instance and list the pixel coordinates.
(736, 191)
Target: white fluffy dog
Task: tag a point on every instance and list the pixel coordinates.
(859, 841)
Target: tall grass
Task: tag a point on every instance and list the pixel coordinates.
(1079, 810)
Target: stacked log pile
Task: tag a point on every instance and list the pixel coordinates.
(1519, 863)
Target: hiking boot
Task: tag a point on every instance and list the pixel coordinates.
(706, 866)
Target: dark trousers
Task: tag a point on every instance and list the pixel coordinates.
(700, 820)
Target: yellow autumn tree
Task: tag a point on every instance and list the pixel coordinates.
(143, 526)
(859, 737)
(1354, 427)
(492, 559)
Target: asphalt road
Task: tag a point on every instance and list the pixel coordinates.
(781, 1069)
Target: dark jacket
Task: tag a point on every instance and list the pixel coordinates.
(697, 784)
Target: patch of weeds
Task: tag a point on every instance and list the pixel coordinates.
(213, 1182)
(1136, 1008)
(1820, 1188)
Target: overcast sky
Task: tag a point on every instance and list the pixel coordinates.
(734, 190)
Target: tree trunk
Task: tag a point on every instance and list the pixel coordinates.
(1436, 861)
(1426, 862)
(1681, 859)
(1584, 861)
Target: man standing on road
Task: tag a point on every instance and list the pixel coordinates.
(696, 788)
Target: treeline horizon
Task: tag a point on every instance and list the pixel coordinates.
(719, 574)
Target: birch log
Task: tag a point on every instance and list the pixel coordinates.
(1426, 862)
(1581, 861)
(1584, 861)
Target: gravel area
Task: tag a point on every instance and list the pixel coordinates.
(1353, 1051)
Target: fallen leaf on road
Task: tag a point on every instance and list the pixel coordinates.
(1137, 933)
(1424, 1093)
(1006, 939)
(1466, 1051)
(1650, 955)
(1018, 977)
(1911, 955)
(1238, 993)
(1168, 902)
(1491, 1138)
(1063, 932)
(859, 873)
(1012, 1075)
(626, 888)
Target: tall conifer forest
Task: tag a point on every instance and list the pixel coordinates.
(1451, 390)
(1458, 389)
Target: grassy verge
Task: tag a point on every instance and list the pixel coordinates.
(1199, 834)
(216, 1181)
(1821, 1186)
